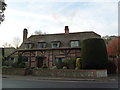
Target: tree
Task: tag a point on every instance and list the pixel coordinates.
(2, 9)
(7, 45)
(39, 32)
(16, 42)
(107, 38)
(113, 48)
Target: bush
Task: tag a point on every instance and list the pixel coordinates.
(71, 63)
(78, 63)
(14, 65)
(5, 63)
(53, 67)
(59, 64)
(19, 59)
(6, 67)
(94, 54)
(44, 66)
(111, 67)
(118, 61)
(20, 63)
(64, 67)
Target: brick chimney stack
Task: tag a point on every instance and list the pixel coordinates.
(25, 33)
(66, 30)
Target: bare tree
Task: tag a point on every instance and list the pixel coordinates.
(39, 32)
(7, 45)
(16, 42)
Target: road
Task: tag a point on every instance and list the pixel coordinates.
(17, 83)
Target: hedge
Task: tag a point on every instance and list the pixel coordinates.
(94, 54)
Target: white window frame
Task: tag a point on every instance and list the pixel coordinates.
(55, 44)
(28, 45)
(74, 43)
(42, 44)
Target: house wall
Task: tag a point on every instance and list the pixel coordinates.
(7, 51)
(50, 56)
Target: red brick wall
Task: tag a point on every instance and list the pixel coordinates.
(51, 54)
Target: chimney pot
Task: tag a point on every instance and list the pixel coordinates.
(25, 33)
(66, 30)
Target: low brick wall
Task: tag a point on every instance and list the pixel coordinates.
(15, 71)
(56, 73)
(70, 73)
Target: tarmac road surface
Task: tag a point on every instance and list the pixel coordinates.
(20, 83)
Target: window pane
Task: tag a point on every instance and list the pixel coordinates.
(74, 43)
(42, 45)
(26, 46)
(59, 60)
(55, 45)
(30, 46)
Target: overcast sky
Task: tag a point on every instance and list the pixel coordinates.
(100, 16)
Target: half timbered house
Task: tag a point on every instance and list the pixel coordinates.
(37, 50)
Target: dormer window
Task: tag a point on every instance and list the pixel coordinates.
(55, 44)
(74, 43)
(28, 45)
(41, 44)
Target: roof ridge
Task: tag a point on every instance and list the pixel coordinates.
(64, 33)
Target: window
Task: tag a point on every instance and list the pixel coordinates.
(25, 59)
(42, 44)
(74, 43)
(55, 44)
(60, 60)
(28, 45)
(12, 59)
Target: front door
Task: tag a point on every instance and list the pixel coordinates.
(39, 62)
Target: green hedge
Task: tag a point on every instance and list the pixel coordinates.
(94, 54)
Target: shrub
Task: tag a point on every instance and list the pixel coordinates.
(111, 67)
(59, 64)
(20, 63)
(71, 63)
(94, 54)
(19, 58)
(53, 67)
(64, 67)
(78, 64)
(118, 61)
(77, 68)
(5, 63)
(6, 67)
(44, 66)
(14, 65)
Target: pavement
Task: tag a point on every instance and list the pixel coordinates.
(110, 78)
